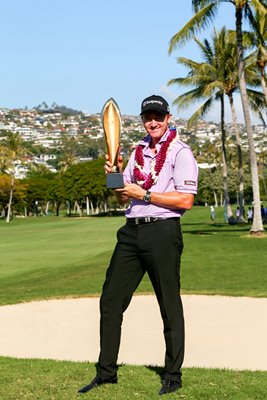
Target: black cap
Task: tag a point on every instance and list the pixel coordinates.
(155, 103)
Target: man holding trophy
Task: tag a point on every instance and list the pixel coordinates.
(159, 182)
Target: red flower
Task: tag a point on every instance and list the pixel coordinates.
(146, 181)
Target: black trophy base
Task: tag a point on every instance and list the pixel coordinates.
(115, 180)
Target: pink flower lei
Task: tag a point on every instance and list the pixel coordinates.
(146, 181)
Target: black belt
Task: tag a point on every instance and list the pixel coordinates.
(147, 220)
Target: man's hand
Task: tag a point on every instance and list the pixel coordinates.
(132, 190)
(108, 166)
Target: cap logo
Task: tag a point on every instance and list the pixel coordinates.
(151, 102)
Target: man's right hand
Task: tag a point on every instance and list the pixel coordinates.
(108, 166)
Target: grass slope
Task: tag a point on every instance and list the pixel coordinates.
(51, 257)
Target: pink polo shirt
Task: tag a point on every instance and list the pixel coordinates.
(179, 173)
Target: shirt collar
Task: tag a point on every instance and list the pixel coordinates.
(146, 140)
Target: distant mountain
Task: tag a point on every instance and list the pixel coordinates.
(56, 108)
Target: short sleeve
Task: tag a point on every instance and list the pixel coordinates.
(185, 172)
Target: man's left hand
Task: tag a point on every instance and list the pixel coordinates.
(132, 190)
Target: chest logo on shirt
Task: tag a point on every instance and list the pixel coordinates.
(190, 183)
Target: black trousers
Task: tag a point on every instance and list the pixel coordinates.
(154, 248)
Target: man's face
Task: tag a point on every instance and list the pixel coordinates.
(155, 123)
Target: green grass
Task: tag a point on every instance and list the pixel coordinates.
(49, 257)
(222, 259)
(54, 380)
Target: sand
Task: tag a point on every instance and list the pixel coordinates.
(221, 332)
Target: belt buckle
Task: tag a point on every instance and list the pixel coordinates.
(136, 221)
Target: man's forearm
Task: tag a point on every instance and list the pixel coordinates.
(169, 199)
(173, 200)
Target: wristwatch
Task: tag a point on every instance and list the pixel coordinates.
(147, 197)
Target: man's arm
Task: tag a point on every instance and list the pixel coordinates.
(170, 199)
(173, 200)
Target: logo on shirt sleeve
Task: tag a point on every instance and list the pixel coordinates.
(190, 183)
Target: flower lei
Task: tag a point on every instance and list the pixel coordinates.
(146, 181)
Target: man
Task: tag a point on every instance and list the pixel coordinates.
(212, 213)
(160, 183)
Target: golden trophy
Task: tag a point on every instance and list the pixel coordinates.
(111, 122)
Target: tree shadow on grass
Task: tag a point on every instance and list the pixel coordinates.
(210, 233)
(158, 370)
(211, 229)
(202, 224)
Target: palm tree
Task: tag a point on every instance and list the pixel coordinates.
(212, 78)
(262, 169)
(68, 156)
(259, 41)
(206, 77)
(210, 152)
(13, 146)
(37, 170)
(205, 11)
(224, 44)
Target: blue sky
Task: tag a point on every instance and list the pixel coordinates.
(80, 53)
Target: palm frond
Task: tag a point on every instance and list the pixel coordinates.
(257, 97)
(191, 81)
(259, 5)
(188, 98)
(188, 63)
(206, 49)
(212, 87)
(201, 112)
(257, 103)
(198, 22)
(188, 81)
(197, 4)
(252, 21)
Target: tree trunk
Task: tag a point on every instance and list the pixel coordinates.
(240, 159)
(214, 192)
(78, 208)
(57, 207)
(87, 206)
(263, 85)
(224, 158)
(215, 199)
(68, 204)
(47, 207)
(257, 226)
(263, 179)
(105, 206)
(8, 218)
(92, 207)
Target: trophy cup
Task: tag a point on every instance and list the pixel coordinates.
(111, 122)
